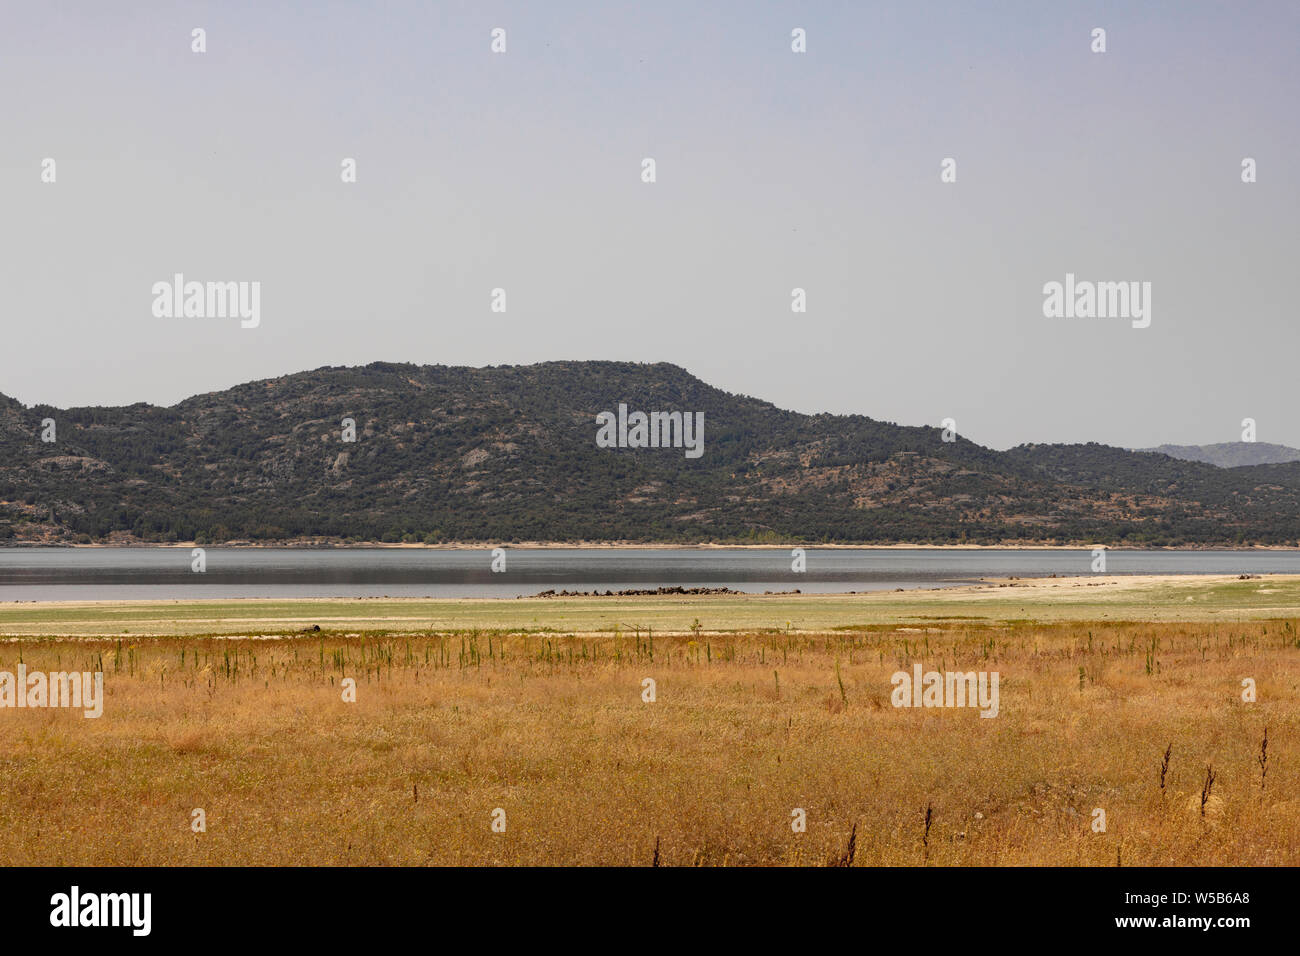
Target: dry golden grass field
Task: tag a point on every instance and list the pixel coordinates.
(747, 726)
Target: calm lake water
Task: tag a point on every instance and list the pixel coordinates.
(79, 574)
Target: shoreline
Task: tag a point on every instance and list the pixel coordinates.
(1104, 600)
(986, 586)
(293, 545)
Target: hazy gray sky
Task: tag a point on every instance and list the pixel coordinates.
(775, 170)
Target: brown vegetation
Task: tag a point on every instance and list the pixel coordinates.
(1128, 718)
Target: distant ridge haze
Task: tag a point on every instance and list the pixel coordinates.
(1230, 454)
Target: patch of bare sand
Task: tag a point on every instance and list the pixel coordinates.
(1106, 584)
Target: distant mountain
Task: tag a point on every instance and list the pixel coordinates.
(1231, 454)
(509, 453)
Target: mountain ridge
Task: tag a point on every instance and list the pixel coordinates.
(508, 453)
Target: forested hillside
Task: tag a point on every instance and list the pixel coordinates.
(508, 454)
